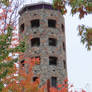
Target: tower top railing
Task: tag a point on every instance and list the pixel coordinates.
(35, 6)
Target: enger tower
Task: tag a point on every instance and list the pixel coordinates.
(44, 31)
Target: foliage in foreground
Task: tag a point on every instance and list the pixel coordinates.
(8, 70)
(82, 7)
(7, 28)
(23, 81)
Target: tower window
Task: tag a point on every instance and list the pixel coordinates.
(35, 42)
(35, 78)
(64, 64)
(62, 26)
(35, 23)
(63, 46)
(22, 63)
(22, 27)
(51, 23)
(52, 60)
(52, 42)
(54, 82)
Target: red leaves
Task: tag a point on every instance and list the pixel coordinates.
(60, 5)
(26, 84)
(9, 10)
(83, 90)
(53, 90)
(60, 86)
(33, 61)
(82, 12)
(71, 86)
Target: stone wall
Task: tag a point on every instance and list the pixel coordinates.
(45, 70)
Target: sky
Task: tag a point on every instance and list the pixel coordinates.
(79, 60)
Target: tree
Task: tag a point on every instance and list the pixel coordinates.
(23, 82)
(83, 7)
(8, 14)
(8, 70)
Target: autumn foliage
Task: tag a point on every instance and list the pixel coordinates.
(7, 32)
(22, 80)
(82, 8)
(18, 79)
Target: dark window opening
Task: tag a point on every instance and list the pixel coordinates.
(51, 23)
(54, 82)
(52, 60)
(52, 42)
(35, 23)
(22, 28)
(35, 42)
(62, 27)
(22, 63)
(35, 78)
(64, 64)
(63, 46)
(35, 14)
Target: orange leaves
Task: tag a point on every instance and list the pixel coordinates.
(14, 39)
(60, 5)
(13, 87)
(26, 76)
(33, 61)
(60, 86)
(8, 58)
(53, 89)
(64, 89)
(23, 82)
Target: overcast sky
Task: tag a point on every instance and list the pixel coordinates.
(79, 60)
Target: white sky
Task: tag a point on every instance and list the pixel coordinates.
(79, 60)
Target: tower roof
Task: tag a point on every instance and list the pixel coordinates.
(36, 6)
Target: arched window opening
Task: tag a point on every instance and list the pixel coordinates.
(35, 23)
(52, 60)
(64, 64)
(54, 82)
(52, 42)
(62, 26)
(35, 42)
(22, 26)
(63, 46)
(35, 78)
(22, 63)
(52, 23)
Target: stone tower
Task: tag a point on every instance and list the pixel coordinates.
(44, 29)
